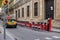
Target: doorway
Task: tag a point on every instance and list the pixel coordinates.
(49, 9)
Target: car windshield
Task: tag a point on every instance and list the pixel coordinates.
(12, 20)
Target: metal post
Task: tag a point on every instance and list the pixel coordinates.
(4, 34)
(4, 20)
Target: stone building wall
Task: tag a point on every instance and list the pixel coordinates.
(41, 10)
(57, 10)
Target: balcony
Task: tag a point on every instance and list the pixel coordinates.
(11, 4)
(10, 1)
(20, 2)
(16, 1)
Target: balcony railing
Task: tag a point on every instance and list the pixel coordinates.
(11, 1)
(20, 2)
(16, 1)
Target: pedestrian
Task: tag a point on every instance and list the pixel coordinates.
(9, 17)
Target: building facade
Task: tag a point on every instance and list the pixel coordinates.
(11, 8)
(36, 10)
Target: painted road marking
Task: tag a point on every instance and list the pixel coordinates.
(7, 33)
(10, 35)
(1, 30)
(36, 39)
(55, 36)
(48, 38)
(13, 36)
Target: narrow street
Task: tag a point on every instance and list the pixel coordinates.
(23, 33)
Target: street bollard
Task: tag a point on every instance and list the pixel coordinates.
(30, 24)
(50, 22)
(49, 26)
(25, 23)
(33, 24)
(39, 25)
(42, 26)
(45, 24)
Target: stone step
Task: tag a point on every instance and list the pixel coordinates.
(56, 24)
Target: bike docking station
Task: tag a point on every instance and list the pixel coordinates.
(45, 26)
(49, 26)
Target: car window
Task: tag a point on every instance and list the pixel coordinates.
(12, 20)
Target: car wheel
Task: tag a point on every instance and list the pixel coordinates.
(7, 26)
(15, 26)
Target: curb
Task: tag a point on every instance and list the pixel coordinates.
(0, 32)
(56, 31)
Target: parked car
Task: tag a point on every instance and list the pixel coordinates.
(11, 23)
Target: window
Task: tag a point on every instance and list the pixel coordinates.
(18, 12)
(36, 9)
(28, 11)
(22, 12)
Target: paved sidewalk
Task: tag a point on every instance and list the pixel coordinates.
(56, 30)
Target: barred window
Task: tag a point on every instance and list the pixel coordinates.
(18, 13)
(22, 12)
(36, 9)
(28, 11)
